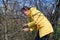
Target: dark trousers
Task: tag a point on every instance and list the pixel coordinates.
(43, 38)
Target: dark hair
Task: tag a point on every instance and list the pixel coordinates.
(25, 8)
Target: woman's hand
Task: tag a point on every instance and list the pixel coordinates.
(26, 29)
(25, 25)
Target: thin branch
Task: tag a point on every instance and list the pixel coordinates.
(5, 28)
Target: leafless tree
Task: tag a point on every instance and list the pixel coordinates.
(12, 19)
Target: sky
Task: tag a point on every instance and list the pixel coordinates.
(42, 4)
(27, 2)
(1, 3)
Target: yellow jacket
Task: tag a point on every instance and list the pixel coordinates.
(39, 22)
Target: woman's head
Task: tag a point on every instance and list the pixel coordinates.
(25, 10)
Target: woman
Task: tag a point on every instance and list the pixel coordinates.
(38, 22)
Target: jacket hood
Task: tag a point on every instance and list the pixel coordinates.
(33, 10)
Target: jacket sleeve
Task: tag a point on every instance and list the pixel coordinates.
(32, 26)
(31, 23)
